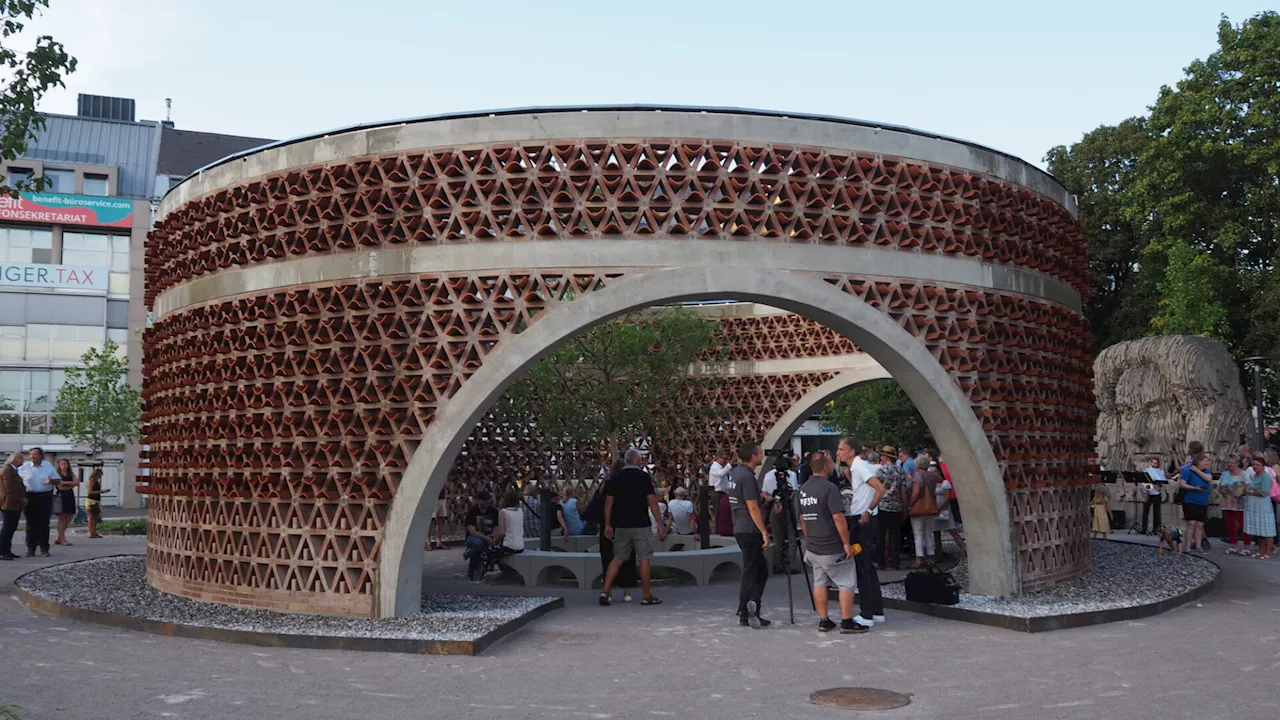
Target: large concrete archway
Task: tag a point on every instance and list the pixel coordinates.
(329, 311)
(992, 567)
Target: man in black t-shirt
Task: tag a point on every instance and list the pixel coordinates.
(750, 531)
(481, 521)
(629, 500)
(828, 548)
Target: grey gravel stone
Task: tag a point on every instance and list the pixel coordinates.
(1123, 575)
(118, 585)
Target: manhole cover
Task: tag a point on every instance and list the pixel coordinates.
(853, 698)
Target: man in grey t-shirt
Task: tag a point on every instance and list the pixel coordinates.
(827, 547)
(750, 531)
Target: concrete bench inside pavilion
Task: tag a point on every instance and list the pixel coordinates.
(579, 556)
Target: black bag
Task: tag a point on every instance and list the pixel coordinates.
(1177, 497)
(932, 586)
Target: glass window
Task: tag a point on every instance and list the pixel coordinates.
(13, 344)
(86, 249)
(95, 185)
(26, 245)
(11, 392)
(118, 279)
(119, 336)
(18, 175)
(59, 181)
(9, 423)
(39, 399)
(38, 337)
(96, 250)
(36, 424)
(62, 342)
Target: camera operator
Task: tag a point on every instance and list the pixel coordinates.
(827, 545)
(751, 532)
(862, 491)
(778, 522)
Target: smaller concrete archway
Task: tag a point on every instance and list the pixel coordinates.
(803, 408)
(960, 435)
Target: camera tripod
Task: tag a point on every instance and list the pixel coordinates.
(790, 539)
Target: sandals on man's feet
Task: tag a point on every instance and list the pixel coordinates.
(605, 600)
(651, 600)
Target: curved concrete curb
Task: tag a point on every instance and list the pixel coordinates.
(280, 640)
(1057, 622)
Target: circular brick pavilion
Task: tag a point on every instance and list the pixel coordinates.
(335, 314)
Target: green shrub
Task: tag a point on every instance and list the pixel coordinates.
(129, 526)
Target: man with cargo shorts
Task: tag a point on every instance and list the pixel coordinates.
(629, 500)
(826, 545)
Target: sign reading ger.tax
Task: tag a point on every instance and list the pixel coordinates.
(53, 277)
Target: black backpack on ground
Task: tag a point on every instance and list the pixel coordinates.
(933, 586)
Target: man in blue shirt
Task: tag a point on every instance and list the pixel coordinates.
(907, 463)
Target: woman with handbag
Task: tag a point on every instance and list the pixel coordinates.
(65, 502)
(923, 506)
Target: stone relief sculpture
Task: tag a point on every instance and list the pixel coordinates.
(1157, 394)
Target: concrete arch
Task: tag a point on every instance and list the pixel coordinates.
(817, 397)
(992, 566)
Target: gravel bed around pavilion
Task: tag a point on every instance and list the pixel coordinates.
(1123, 575)
(117, 584)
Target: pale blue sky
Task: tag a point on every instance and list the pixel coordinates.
(1018, 76)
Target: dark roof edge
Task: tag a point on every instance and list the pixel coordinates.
(621, 108)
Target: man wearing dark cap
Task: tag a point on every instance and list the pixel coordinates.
(481, 520)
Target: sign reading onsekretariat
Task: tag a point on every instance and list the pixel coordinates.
(60, 209)
(53, 277)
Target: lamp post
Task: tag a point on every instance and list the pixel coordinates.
(1260, 436)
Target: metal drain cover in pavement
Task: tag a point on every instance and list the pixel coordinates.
(854, 698)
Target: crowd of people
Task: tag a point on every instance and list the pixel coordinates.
(37, 490)
(1248, 493)
(851, 508)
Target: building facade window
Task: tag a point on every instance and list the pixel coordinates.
(99, 250)
(26, 245)
(27, 399)
(18, 175)
(60, 181)
(119, 336)
(95, 185)
(62, 342)
(13, 342)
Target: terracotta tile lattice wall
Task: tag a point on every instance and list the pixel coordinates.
(600, 190)
(280, 422)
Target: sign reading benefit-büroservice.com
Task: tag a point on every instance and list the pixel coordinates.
(68, 209)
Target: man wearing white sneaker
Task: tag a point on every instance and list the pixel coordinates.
(862, 492)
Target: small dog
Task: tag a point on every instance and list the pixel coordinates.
(1171, 537)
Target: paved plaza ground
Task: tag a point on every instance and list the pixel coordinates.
(685, 659)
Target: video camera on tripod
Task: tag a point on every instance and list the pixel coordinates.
(784, 494)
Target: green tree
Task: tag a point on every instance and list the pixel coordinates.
(96, 406)
(29, 75)
(1182, 207)
(610, 384)
(1101, 171)
(878, 413)
(1188, 295)
(1210, 176)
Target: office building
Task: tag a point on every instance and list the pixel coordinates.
(71, 260)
